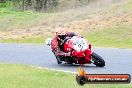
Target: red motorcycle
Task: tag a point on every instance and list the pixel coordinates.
(81, 52)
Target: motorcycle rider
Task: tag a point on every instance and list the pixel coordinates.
(59, 39)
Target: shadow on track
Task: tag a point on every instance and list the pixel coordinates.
(77, 65)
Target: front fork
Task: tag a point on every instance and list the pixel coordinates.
(92, 60)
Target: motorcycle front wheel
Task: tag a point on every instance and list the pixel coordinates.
(97, 60)
(58, 59)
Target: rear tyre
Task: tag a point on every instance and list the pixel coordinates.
(97, 60)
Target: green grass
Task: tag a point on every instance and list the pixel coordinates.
(28, 39)
(37, 40)
(23, 76)
(125, 7)
(14, 20)
(118, 36)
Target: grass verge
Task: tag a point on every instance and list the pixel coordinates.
(22, 76)
(16, 20)
(36, 40)
(118, 36)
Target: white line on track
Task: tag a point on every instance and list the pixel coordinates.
(58, 70)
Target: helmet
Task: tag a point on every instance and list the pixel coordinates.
(60, 31)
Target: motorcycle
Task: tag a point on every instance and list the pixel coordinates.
(81, 52)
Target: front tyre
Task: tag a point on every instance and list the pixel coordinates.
(97, 60)
(58, 59)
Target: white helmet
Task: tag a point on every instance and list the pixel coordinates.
(60, 31)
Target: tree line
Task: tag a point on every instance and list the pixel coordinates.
(35, 5)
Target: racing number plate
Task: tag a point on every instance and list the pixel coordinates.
(80, 44)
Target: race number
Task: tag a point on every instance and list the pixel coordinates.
(80, 44)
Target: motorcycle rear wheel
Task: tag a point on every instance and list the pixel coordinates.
(97, 60)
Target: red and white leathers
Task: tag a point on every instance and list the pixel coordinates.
(55, 44)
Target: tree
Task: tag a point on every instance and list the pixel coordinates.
(2, 1)
(37, 5)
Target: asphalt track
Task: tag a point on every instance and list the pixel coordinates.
(118, 61)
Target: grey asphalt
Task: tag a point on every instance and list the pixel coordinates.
(118, 61)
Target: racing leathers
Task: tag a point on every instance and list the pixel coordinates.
(58, 41)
